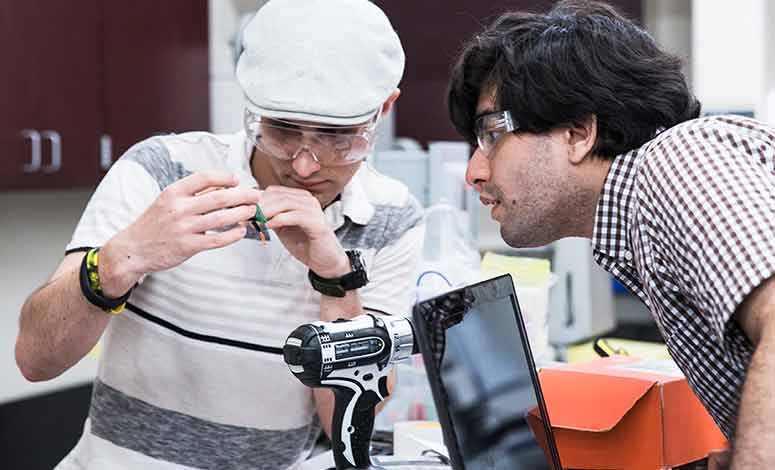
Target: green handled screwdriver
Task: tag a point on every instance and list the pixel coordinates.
(259, 223)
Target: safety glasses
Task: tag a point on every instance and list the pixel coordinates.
(328, 145)
(490, 127)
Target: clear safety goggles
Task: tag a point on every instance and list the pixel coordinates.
(490, 127)
(328, 145)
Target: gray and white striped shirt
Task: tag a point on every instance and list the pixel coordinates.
(191, 374)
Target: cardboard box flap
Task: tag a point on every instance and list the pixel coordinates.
(599, 402)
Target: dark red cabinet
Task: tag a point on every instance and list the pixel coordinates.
(82, 80)
(50, 104)
(156, 75)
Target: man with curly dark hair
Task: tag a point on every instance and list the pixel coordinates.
(584, 127)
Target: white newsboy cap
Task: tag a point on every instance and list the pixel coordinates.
(327, 61)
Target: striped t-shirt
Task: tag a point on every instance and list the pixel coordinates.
(191, 374)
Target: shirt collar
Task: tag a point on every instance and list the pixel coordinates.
(352, 203)
(615, 208)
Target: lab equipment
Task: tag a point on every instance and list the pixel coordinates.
(582, 302)
(532, 282)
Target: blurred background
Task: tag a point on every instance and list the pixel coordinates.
(83, 80)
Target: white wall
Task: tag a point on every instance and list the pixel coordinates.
(728, 58)
(226, 100)
(766, 106)
(225, 95)
(670, 22)
(34, 229)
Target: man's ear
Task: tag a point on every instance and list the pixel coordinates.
(389, 102)
(581, 137)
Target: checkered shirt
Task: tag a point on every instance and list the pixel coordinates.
(687, 223)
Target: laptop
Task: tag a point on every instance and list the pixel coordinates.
(483, 379)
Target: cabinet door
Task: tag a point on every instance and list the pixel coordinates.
(156, 72)
(49, 100)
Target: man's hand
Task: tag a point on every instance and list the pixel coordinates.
(297, 218)
(173, 228)
(58, 326)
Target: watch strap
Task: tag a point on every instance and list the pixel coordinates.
(338, 287)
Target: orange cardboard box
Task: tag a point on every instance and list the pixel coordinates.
(625, 413)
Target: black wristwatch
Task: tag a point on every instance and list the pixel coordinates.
(338, 287)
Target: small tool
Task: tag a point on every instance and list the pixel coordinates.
(259, 223)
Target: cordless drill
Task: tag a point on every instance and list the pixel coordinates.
(352, 357)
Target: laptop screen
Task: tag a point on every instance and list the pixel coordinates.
(483, 379)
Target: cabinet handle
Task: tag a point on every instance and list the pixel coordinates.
(106, 152)
(56, 151)
(37, 154)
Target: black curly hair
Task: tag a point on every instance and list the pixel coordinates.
(582, 58)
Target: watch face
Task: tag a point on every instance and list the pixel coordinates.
(358, 277)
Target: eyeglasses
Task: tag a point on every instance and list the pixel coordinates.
(490, 127)
(328, 145)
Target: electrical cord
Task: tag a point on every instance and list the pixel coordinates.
(419, 278)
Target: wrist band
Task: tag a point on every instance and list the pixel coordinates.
(91, 288)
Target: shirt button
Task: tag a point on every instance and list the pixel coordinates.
(628, 255)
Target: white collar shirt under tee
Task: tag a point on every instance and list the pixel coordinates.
(687, 223)
(191, 374)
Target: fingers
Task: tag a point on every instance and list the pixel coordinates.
(212, 241)
(277, 199)
(202, 180)
(222, 218)
(288, 219)
(209, 201)
(272, 206)
(208, 190)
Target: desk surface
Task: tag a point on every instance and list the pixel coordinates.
(319, 462)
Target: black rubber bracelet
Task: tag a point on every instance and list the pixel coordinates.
(94, 298)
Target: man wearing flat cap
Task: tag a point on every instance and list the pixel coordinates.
(191, 303)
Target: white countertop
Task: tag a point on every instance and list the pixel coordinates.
(319, 462)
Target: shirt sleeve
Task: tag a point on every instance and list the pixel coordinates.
(711, 217)
(391, 287)
(121, 197)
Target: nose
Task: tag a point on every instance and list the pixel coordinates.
(304, 162)
(478, 171)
